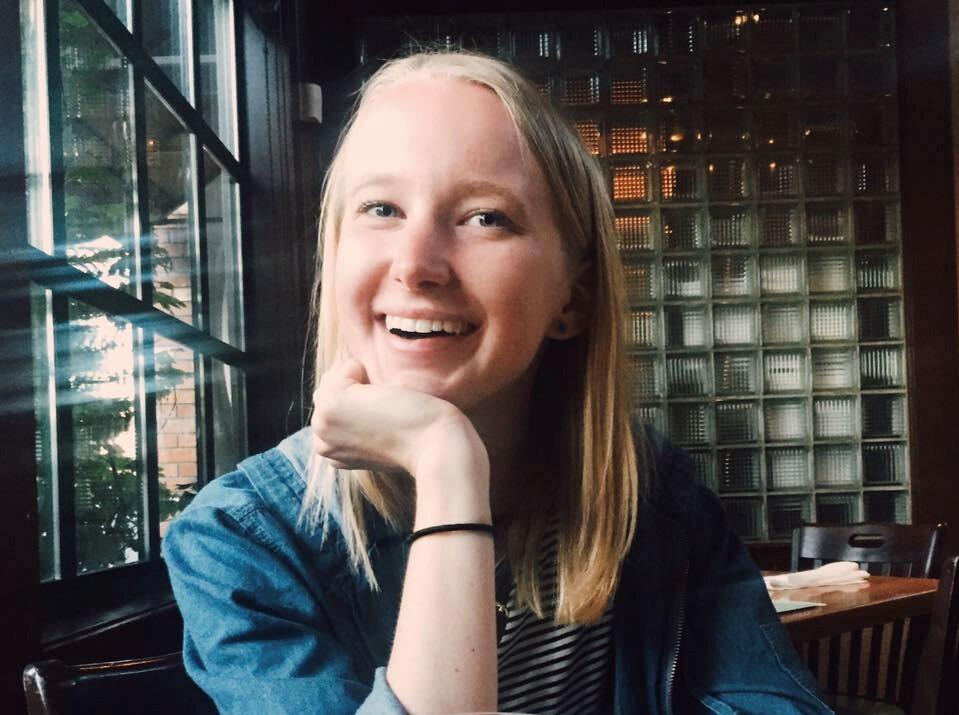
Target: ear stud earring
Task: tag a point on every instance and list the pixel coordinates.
(561, 327)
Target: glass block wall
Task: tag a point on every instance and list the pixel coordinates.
(752, 159)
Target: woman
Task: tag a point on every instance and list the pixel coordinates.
(473, 385)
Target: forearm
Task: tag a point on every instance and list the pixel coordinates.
(444, 650)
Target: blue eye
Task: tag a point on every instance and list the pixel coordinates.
(379, 209)
(491, 219)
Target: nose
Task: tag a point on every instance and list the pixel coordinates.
(420, 258)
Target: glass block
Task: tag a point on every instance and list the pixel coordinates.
(783, 323)
(686, 327)
(728, 179)
(635, 137)
(733, 275)
(785, 420)
(224, 264)
(680, 131)
(217, 63)
(704, 468)
(883, 416)
(737, 422)
(729, 226)
(834, 417)
(834, 320)
(774, 28)
(680, 181)
(687, 375)
(651, 415)
(676, 33)
(631, 182)
(635, 232)
(590, 135)
(726, 78)
(874, 174)
(736, 373)
(821, 77)
(630, 86)
(580, 90)
(884, 463)
(778, 225)
(775, 128)
(781, 274)
(787, 468)
(876, 222)
(786, 513)
(826, 223)
(823, 175)
(870, 27)
(641, 283)
(581, 41)
(829, 273)
(170, 185)
(166, 36)
(837, 509)
(534, 43)
(678, 81)
(820, 29)
(835, 465)
(727, 128)
(881, 367)
(879, 319)
(745, 517)
(872, 125)
(642, 329)
(872, 75)
(646, 378)
(774, 78)
(886, 507)
(726, 29)
(734, 325)
(738, 470)
(631, 37)
(784, 371)
(690, 423)
(821, 127)
(684, 278)
(682, 229)
(877, 270)
(833, 369)
(778, 177)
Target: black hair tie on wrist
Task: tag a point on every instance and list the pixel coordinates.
(487, 528)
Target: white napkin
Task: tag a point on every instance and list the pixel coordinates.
(838, 573)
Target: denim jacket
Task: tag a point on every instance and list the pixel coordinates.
(275, 620)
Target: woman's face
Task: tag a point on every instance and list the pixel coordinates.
(449, 269)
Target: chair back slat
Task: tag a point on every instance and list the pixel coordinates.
(894, 549)
(936, 686)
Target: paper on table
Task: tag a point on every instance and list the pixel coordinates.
(835, 574)
(784, 606)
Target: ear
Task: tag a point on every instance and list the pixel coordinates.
(572, 318)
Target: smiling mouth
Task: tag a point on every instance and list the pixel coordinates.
(417, 329)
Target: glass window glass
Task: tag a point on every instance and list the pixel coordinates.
(36, 125)
(217, 66)
(176, 388)
(98, 152)
(224, 267)
(99, 383)
(229, 417)
(166, 36)
(171, 179)
(44, 399)
(122, 10)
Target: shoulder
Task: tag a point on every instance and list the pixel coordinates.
(670, 478)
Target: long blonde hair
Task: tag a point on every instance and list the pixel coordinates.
(580, 411)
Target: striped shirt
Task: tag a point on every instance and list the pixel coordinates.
(546, 669)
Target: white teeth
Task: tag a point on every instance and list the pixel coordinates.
(412, 325)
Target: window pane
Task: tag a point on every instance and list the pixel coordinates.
(122, 10)
(44, 399)
(101, 389)
(170, 187)
(98, 152)
(36, 125)
(217, 66)
(176, 384)
(224, 267)
(166, 27)
(229, 417)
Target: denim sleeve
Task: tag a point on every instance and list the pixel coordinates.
(257, 637)
(739, 658)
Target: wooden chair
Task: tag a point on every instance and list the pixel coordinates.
(937, 682)
(141, 686)
(881, 549)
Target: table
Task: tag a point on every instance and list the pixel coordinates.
(880, 600)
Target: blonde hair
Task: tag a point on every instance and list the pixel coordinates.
(580, 411)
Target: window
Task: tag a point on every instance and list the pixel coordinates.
(135, 263)
(752, 159)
